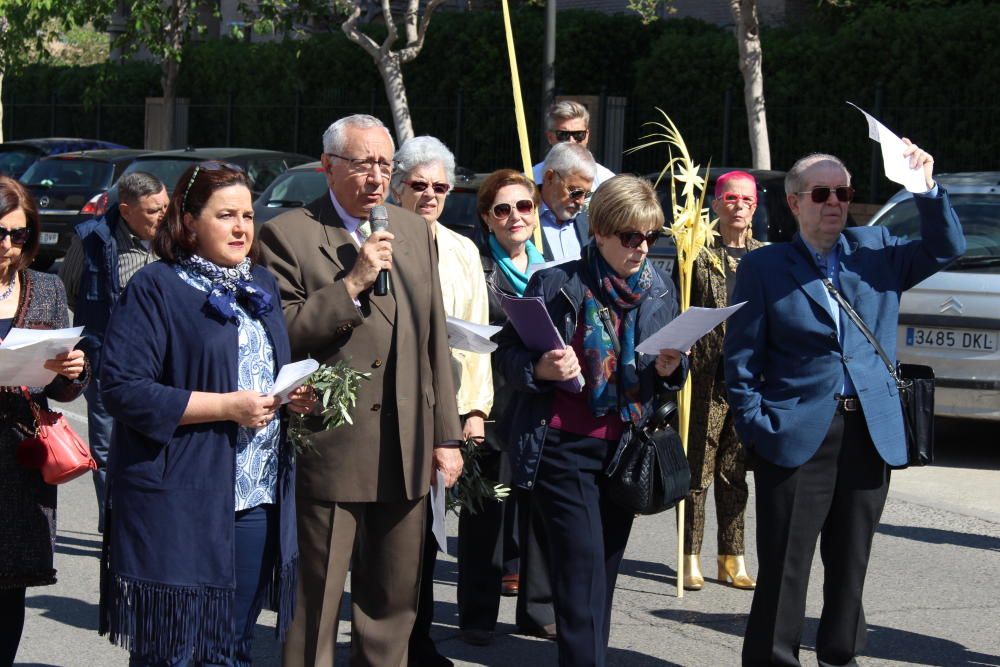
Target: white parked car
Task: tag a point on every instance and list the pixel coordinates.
(951, 321)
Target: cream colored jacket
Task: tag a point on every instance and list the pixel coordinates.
(463, 292)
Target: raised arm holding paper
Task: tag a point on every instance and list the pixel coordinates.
(814, 405)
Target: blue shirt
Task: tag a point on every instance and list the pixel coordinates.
(829, 266)
(256, 449)
(561, 238)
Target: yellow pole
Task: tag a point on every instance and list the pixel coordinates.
(522, 125)
(683, 419)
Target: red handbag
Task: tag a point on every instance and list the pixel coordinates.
(55, 449)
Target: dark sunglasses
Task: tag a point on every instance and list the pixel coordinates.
(438, 188)
(208, 165)
(17, 236)
(845, 193)
(580, 193)
(576, 135)
(633, 240)
(524, 207)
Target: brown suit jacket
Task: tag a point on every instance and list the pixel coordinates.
(310, 252)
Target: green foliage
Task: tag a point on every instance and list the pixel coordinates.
(473, 490)
(935, 68)
(79, 46)
(337, 387)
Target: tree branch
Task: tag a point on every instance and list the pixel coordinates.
(413, 46)
(390, 28)
(350, 28)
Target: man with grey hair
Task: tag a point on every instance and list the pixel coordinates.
(568, 121)
(815, 407)
(566, 186)
(360, 492)
(105, 253)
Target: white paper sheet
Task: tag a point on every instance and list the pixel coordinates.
(439, 507)
(897, 168)
(471, 337)
(292, 376)
(24, 352)
(684, 330)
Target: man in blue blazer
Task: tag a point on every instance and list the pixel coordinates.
(815, 406)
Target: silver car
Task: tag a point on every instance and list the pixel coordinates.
(951, 320)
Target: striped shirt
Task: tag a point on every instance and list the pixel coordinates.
(133, 254)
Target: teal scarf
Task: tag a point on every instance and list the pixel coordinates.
(517, 279)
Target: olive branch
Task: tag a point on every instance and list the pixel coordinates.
(337, 389)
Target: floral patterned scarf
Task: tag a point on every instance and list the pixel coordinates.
(230, 285)
(613, 379)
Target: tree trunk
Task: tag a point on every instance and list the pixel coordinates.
(395, 90)
(1, 108)
(168, 80)
(751, 58)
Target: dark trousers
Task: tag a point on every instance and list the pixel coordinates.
(420, 636)
(484, 552)
(586, 536)
(12, 613)
(256, 549)
(836, 496)
(99, 424)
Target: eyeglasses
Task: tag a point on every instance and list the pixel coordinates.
(208, 165)
(438, 188)
(576, 135)
(18, 236)
(845, 193)
(633, 240)
(575, 193)
(732, 199)
(362, 165)
(524, 207)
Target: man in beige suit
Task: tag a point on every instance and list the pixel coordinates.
(359, 495)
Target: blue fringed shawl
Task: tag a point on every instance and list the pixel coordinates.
(167, 570)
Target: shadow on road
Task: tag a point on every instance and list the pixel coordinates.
(883, 642)
(67, 611)
(653, 571)
(938, 536)
(74, 546)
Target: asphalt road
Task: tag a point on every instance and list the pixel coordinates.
(932, 594)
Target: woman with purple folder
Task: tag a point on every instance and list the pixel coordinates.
(604, 305)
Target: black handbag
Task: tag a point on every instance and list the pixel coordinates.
(649, 472)
(915, 384)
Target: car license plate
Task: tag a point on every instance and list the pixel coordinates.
(664, 264)
(49, 238)
(952, 339)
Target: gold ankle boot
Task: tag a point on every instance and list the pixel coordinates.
(733, 571)
(693, 579)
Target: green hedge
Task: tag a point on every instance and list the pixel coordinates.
(934, 70)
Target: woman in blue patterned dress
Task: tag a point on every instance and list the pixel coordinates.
(201, 523)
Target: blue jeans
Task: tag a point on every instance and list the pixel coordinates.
(99, 425)
(256, 552)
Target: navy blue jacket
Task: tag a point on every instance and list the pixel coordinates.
(784, 359)
(100, 287)
(525, 423)
(169, 571)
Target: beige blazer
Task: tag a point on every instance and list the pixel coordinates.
(310, 252)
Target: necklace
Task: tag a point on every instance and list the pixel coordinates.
(9, 290)
(732, 261)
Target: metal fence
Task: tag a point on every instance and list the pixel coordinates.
(483, 138)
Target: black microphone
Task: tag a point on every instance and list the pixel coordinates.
(378, 218)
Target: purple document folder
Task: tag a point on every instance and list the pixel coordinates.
(532, 322)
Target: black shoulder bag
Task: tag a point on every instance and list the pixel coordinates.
(649, 472)
(916, 392)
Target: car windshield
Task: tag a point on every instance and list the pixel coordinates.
(14, 162)
(980, 217)
(295, 188)
(58, 173)
(168, 171)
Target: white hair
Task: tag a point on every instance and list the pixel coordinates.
(335, 137)
(417, 152)
(568, 157)
(793, 179)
